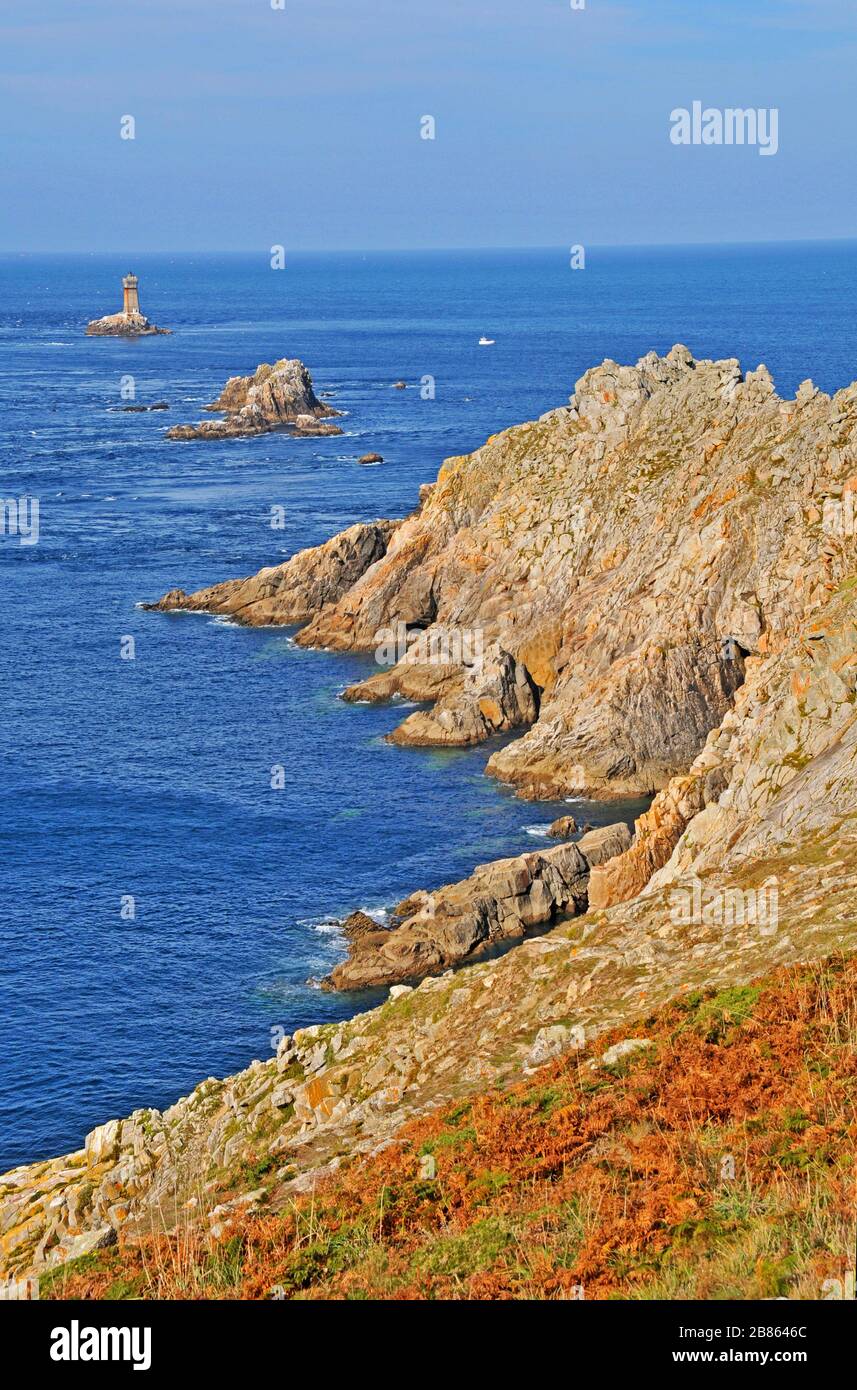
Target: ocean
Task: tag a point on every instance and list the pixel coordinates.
(149, 779)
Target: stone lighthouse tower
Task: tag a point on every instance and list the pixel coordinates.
(130, 323)
(130, 304)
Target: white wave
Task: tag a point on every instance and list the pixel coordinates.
(329, 927)
(541, 831)
(380, 915)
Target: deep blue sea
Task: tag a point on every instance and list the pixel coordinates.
(151, 777)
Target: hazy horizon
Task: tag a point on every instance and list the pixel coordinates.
(303, 127)
(435, 250)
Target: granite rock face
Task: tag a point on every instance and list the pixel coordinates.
(274, 397)
(291, 592)
(613, 566)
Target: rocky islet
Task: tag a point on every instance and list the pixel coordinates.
(274, 397)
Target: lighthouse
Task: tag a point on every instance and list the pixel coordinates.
(130, 323)
(130, 302)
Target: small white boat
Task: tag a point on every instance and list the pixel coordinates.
(486, 342)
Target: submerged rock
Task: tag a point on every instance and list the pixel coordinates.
(273, 398)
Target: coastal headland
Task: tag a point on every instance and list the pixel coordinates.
(663, 610)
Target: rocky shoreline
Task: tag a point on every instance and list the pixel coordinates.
(501, 902)
(663, 606)
(614, 561)
(618, 566)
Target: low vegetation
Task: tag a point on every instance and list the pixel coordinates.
(716, 1163)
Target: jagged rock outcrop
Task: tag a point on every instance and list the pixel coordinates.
(490, 696)
(290, 592)
(616, 563)
(273, 398)
(499, 902)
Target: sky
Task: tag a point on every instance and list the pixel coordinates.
(301, 126)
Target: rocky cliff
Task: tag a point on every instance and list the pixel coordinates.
(274, 397)
(662, 563)
(598, 578)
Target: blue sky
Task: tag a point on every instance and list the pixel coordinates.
(301, 126)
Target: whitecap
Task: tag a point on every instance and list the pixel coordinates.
(541, 831)
(329, 927)
(378, 914)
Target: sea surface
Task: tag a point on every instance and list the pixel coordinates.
(150, 778)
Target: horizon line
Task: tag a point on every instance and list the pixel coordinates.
(442, 250)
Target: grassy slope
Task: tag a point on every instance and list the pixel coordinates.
(613, 1178)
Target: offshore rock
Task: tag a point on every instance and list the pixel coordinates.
(273, 398)
(562, 828)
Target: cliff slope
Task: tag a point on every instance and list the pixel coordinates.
(710, 1157)
(597, 578)
(744, 864)
(764, 878)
